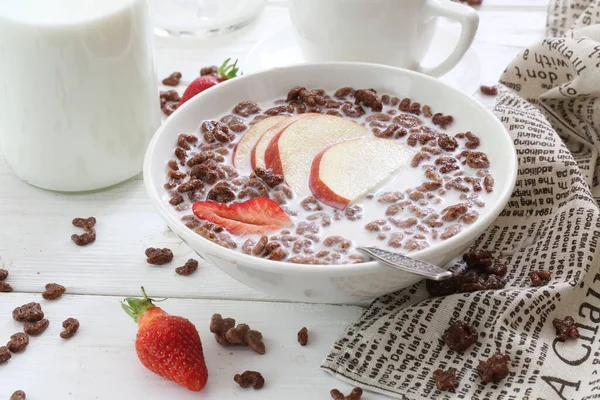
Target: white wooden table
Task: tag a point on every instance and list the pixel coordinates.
(100, 361)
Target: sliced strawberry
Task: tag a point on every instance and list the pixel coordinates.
(257, 215)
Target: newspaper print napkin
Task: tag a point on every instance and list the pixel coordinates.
(550, 104)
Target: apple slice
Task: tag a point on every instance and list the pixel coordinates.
(257, 156)
(348, 170)
(241, 152)
(291, 152)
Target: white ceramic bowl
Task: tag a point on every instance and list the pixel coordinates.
(330, 283)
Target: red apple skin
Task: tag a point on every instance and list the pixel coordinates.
(253, 152)
(253, 158)
(235, 149)
(272, 158)
(320, 190)
(287, 123)
(233, 155)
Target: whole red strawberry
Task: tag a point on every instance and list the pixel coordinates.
(198, 85)
(167, 345)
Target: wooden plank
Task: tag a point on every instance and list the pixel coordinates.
(511, 28)
(514, 5)
(36, 248)
(100, 361)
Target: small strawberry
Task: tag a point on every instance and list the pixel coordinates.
(257, 215)
(167, 345)
(200, 84)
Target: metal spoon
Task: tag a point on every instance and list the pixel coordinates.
(407, 264)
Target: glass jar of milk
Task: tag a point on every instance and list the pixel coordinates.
(78, 91)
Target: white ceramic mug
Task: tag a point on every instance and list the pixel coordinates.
(78, 91)
(392, 32)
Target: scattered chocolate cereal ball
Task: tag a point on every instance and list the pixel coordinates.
(170, 107)
(468, 281)
(472, 141)
(176, 200)
(488, 183)
(188, 268)
(453, 212)
(489, 90)
(565, 328)
(221, 193)
(190, 186)
(460, 336)
(498, 269)
(18, 395)
(442, 120)
(3, 274)
(539, 278)
(169, 95)
(246, 108)
(210, 70)
(4, 354)
(227, 334)
(344, 92)
(242, 334)
(53, 291)
(71, 326)
(447, 143)
(440, 288)
(353, 212)
(86, 224)
(369, 98)
(158, 256)
(420, 156)
(268, 176)
(173, 79)
(220, 325)
(30, 312)
(5, 287)
(445, 380)
(84, 239)
(18, 342)
(427, 113)
(494, 369)
(354, 395)
(478, 259)
(36, 328)
(310, 98)
(303, 336)
(477, 159)
(311, 204)
(250, 378)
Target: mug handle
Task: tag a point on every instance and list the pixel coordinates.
(468, 19)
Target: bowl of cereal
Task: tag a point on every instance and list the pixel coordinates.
(278, 176)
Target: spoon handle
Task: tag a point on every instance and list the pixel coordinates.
(407, 264)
